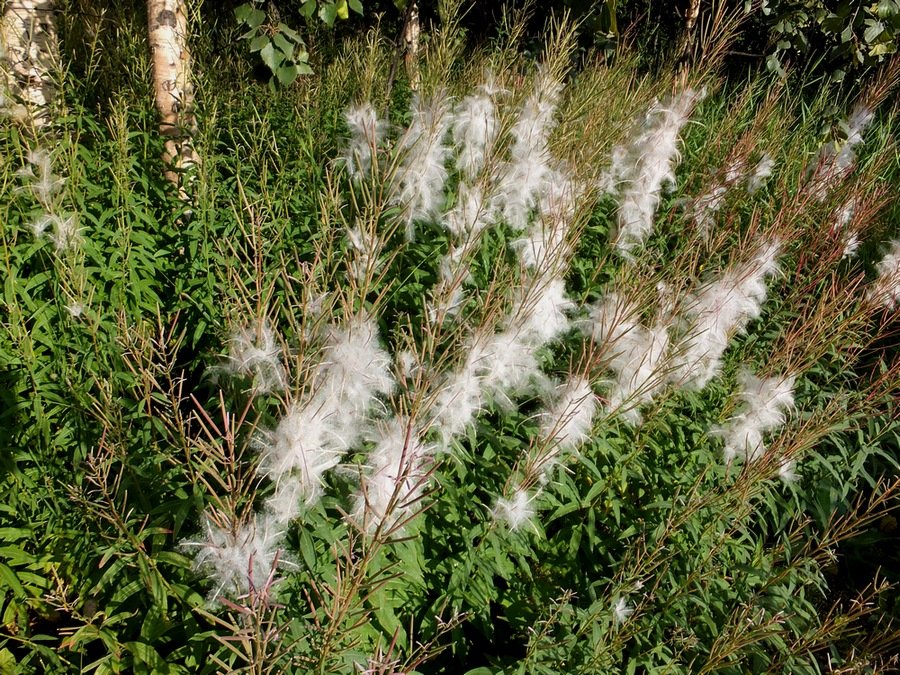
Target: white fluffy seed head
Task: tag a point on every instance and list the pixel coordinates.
(315, 433)
(459, 400)
(40, 179)
(502, 365)
(650, 164)
(636, 354)
(64, 232)
(787, 471)
(471, 213)
(769, 398)
(366, 246)
(395, 475)
(475, 128)
(307, 442)
(885, 290)
(42, 223)
(408, 364)
(638, 361)
(765, 403)
(608, 183)
(520, 182)
(734, 172)
(508, 367)
(860, 119)
(706, 207)
(621, 611)
(355, 368)
(851, 243)
(545, 246)
(542, 314)
(532, 129)
(286, 502)
(422, 172)
(567, 421)
(761, 173)
(366, 134)
(610, 318)
(66, 235)
(837, 159)
(718, 310)
(518, 188)
(237, 561)
(516, 511)
(559, 198)
(254, 351)
(843, 216)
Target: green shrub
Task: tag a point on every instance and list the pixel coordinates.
(177, 500)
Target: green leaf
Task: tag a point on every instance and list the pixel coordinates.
(356, 6)
(257, 16)
(154, 624)
(123, 593)
(287, 74)
(290, 33)
(7, 662)
(146, 655)
(773, 65)
(14, 533)
(328, 13)
(249, 15)
(11, 581)
(308, 8)
(187, 595)
(308, 551)
(267, 54)
(887, 9)
(386, 617)
(282, 43)
(173, 558)
(258, 43)
(241, 12)
(563, 510)
(873, 31)
(832, 23)
(15, 555)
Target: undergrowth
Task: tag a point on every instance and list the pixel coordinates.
(537, 370)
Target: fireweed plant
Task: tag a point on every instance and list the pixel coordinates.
(534, 370)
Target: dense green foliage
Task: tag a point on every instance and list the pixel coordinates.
(119, 432)
(834, 38)
(844, 35)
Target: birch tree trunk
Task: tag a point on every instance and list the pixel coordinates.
(690, 23)
(411, 32)
(171, 60)
(28, 55)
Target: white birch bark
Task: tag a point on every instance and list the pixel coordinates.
(690, 23)
(411, 32)
(28, 55)
(171, 62)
